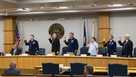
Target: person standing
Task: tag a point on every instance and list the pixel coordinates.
(33, 45)
(127, 46)
(55, 43)
(111, 46)
(72, 43)
(93, 47)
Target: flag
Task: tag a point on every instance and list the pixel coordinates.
(84, 35)
(17, 35)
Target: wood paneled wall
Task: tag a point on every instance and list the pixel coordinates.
(104, 27)
(9, 32)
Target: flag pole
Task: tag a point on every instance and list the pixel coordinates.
(84, 34)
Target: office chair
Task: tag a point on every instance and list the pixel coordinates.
(134, 53)
(119, 51)
(50, 68)
(64, 50)
(77, 68)
(103, 51)
(117, 70)
(84, 50)
(41, 51)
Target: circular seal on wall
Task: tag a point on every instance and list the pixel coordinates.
(58, 29)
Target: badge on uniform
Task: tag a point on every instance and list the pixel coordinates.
(33, 42)
(72, 41)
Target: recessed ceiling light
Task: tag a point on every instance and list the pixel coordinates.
(19, 9)
(63, 7)
(115, 5)
(41, 7)
(23, 9)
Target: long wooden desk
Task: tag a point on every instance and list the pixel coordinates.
(29, 62)
(62, 76)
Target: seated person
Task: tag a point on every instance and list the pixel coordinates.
(12, 70)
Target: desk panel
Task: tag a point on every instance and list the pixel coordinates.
(5, 61)
(30, 62)
(69, 60)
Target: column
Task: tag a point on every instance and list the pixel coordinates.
(9, 32)
(104, 27)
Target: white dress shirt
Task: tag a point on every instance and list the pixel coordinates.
(93, 48)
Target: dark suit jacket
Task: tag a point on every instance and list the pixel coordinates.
(33, 46)
(127, 48)
(111, 46)
(12, 72)
(55, 44)
(18, 51)
(72, 44)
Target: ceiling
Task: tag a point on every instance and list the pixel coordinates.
(29, 7)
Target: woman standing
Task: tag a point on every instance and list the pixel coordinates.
(93, 47)
(55, 42)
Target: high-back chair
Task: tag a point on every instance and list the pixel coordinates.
(134, 54)
(119, 51)
(64, 50)
(84, 50)
(77, 68)
(50, 68)
(41, 51)
(103, 51)
(117, 70)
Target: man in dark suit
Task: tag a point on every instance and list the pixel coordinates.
(33, 45)
(72, 43)
(12, 70)
(55, 42)
(127, 46)
(111, 46)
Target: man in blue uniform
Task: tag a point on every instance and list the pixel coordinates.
(33, 45)
(72, 43)
(111, 46)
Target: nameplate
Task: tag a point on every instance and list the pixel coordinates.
(114, 56)
(49, 55)
(99, 55)
(83, 55)
(23, 55)
(66, 54)
(8, 55)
